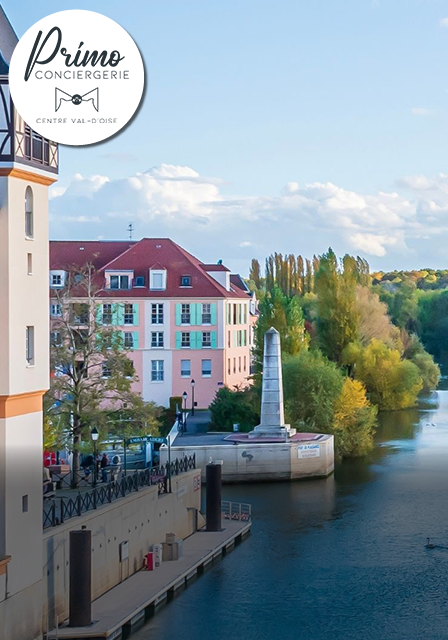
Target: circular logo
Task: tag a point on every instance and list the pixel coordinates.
(76, 77)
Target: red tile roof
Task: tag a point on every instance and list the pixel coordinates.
(67, 253)
(140, 256)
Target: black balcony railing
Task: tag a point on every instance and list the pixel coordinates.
(59, 509)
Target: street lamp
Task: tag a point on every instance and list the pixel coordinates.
(185, 396)
(95, 435)
(192, 397)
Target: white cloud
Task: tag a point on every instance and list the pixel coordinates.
(422, 111)
(409, 225)
(444, 22)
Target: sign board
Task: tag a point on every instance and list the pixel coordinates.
(308, 451)
(154, 440)
(124, 550)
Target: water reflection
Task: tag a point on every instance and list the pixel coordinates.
(336, 558)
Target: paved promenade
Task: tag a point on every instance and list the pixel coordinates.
(127, 601)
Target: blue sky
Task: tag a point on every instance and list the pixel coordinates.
(267, 103)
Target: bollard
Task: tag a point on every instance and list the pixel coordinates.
(213, 497)
(80, 597)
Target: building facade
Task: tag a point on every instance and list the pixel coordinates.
(28, 165)
(180, 320)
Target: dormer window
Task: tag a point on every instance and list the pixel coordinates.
(119, 282)
(185, 281)
(57, 279)
(157, 279)
(139, 281)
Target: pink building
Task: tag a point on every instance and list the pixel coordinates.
(181, 319)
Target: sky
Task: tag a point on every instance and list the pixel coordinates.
(283, 126)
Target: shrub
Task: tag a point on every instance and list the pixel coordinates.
(231, 407)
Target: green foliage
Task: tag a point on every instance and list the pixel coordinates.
(433, 322)
(284, 314)
(229, 407)
(392, 383)
(311, 386)
(338, 316)
(428, 369)
(354, 421)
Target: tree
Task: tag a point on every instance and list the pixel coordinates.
(338, 315)
(392, 383)
(354, 420)
(373, 319)
(255, 274)
(92, 376)
(284, 314)
(428, 369)
(311, 386)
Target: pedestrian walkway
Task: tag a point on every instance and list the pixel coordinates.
(198, 423)
(125, 604)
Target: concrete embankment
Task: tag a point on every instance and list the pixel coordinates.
(127, 604)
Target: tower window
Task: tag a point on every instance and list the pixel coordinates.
(30, 264)
(30, 345)
(29, 221)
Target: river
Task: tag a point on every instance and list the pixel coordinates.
(339, 558)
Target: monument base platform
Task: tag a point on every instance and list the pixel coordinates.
(285, 432)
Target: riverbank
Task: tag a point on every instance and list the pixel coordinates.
(127, 604)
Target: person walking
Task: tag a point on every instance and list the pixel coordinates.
(104, 464)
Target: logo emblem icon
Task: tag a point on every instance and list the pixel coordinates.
(76, 99)
(60, 67)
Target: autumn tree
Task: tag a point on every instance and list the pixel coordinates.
(391, 382)
(92, 375)
(354, 420)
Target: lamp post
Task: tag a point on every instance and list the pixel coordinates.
(95, 435)
(192, 397)
(184, 426)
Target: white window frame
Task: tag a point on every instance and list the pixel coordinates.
(185, 374)
(157, 313)
(128, 341)
(128, 316)
(207, 373)
(157, 340)
(157, 272)
(206, 314)
(209, 344)
(185, 313)
(157, 371)
(185, 346)
(55, 310)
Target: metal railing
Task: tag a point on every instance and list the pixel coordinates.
(58, 510)
(236, 511)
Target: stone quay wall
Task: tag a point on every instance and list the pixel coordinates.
(140, 519)
(247, 462)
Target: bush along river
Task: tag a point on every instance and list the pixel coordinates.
(341, 558)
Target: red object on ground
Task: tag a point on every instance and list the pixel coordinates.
(149, 561)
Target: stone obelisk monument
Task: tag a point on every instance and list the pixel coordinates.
(272, 423)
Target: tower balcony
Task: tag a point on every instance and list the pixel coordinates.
(18, 142)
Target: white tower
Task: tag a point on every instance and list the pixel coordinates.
(28, 165)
